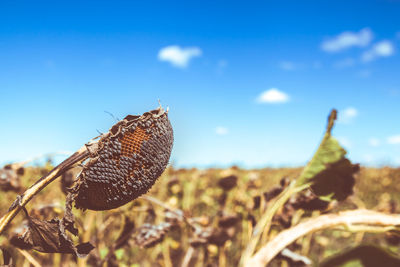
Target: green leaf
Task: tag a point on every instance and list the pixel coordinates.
(329, 173)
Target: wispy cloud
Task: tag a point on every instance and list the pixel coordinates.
(287, 65)
(222, 63)
(394, 140)
(344, 63)
(347, 115)
(374, 142)
(177, 56)
(221, 130)
(364, 73)
(273, 96)
(381, 49)
(348, 39)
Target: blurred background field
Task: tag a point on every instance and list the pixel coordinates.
(213, 199)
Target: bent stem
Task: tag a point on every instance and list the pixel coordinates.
(357, 220)
(264, 223)
(23, 199)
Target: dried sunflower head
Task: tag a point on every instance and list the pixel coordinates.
(125, 162)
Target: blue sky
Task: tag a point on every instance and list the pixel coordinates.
(248, 83)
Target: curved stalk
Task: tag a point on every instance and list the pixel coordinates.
(366, 218)
(23, 199)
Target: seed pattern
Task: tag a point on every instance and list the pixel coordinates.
(127, 162)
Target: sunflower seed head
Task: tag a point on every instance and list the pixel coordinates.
(125, 162)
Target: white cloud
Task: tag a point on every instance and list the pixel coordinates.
(347, 62)
(375, 142)
(394, 140)
(347, 115)
(348, 39)
(273, 95)
(381, 49)
(177, 56)
(287, 65)
(221, 130)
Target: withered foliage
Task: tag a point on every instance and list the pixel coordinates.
(210, 235)
(7, 259)
(337, 180)
(122, 165)
(10, 178)
(149, 235)
(227, 221)
(228, 182)
(211, 216)
(49, 237)
(126, 233)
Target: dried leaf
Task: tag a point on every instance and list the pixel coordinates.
(10, 179)
(367, 255)
(67, 179)
(218, 237)
(256, 202)
(227, 221)
(49, 237)
(149, 235)
(7, 259)
(329, 173)
(125, 235)
(309, 201)
(112, 261)
(336, 181)
(274, 192)
(229, 182)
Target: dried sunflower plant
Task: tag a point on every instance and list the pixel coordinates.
(118, 166)
(123, 164)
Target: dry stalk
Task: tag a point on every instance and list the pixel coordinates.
(29, 257)
(23, 199)
(188, 257)
(156, 201)
(347, 218)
